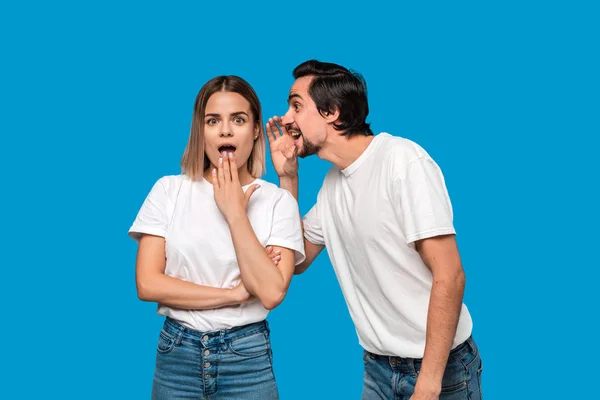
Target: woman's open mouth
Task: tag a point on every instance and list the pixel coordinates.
(228, 148)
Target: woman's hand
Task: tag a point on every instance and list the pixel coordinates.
(241, 295)
(229, 196)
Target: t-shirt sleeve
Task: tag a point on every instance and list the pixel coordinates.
(313, 229)
(424, 208)
(152, 217)
(286, 230)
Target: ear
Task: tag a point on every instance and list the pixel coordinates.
(256, 131)
(331, 117)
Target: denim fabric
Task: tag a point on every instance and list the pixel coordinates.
(395, 377)
(227, 364)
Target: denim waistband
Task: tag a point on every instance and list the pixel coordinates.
(177, 329)
(410, 363)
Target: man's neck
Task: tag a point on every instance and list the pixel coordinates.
(342, 151)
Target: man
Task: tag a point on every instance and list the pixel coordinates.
(384, 215)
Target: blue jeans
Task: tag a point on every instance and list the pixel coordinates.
(395, 377)
(227, 364)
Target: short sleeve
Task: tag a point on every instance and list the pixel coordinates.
(424, 208)
(152, 217)
(313, 230)
(286, 230)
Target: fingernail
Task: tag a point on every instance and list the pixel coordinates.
(230, 155)
(220, 161)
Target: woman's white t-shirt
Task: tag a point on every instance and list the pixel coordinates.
(199, 247)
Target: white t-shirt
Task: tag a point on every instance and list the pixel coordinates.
(368, 216)
(199, 247)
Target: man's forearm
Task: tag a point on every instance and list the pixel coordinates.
(442, 319)
(290, 184)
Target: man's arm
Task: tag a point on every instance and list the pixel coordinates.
(289, 183)
(440, 255)
(312, 250)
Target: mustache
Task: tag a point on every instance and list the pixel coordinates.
(292, 128)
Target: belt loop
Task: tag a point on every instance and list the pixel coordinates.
(222, 337)
(178, 337)
(471, 344)
(411, 366)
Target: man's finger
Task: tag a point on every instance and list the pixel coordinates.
(272, 129)
(281, 125)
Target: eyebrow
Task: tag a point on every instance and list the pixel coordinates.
(292, 96)
(235, 114)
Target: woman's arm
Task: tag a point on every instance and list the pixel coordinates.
(269, 283)
(154, 286)
(262, 278)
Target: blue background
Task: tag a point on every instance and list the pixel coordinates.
(96, 101)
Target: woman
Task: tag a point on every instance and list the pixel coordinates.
(201, 257)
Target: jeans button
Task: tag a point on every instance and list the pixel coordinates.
(207, 365)
(208, 377)
(204, 338)
(206, 352)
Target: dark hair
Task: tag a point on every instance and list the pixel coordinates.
(194, 160)
(337, 88)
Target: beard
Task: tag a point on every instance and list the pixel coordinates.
(308, 149)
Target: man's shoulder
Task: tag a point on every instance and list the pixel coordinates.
(400, 146)
(398, 152)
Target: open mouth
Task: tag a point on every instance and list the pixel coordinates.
(295, 134)
(228, 148)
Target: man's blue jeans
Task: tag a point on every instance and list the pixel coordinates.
(394, 378)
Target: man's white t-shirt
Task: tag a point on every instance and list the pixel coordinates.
(368, 216)
(198, 242)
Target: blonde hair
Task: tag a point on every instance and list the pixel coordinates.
(194, 160)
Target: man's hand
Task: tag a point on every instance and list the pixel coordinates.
(425, 394)
(283, 149)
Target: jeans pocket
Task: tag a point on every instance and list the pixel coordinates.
(253, 345)
(166, 342)
(456, 388)
(455, 378)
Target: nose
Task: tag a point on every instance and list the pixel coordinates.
(226, 132)
(287, 118)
